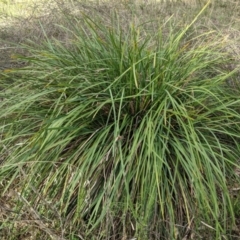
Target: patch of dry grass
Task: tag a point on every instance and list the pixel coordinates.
(20, 20)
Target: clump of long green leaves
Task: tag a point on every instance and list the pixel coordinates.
(123, 134)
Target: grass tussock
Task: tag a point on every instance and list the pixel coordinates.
(122, 133)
